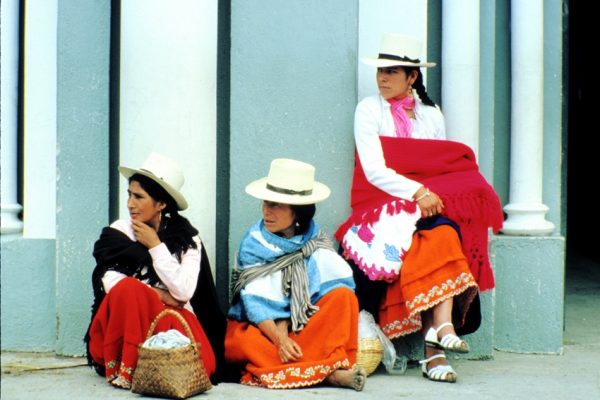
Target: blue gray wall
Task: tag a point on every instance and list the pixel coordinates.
(293, 93)
(46, 287)
(82, 162)
(28, 303)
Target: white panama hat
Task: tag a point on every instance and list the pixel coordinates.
(398, 50)
(163, 171)
(289, 182)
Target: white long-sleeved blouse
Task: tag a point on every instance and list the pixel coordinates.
(372, 119)
(179, 278)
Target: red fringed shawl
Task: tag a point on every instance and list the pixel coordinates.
(450, 170)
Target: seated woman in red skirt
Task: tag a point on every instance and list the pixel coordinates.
(145, 264)
(294, 318)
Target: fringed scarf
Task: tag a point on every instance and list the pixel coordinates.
(265, 258)
(450, 170)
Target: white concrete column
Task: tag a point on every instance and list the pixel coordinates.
(9, 59)
(168, 97)
(460, 70)
(526, 212)
(40, 92)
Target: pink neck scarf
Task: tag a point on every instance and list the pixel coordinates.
(401, 121)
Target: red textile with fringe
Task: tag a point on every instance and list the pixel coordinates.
(450, 170)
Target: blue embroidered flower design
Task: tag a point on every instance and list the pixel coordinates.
(391, 252)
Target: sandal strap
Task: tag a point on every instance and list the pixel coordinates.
(440, 372)
(433, 357)
(442, 326)
(451, 341)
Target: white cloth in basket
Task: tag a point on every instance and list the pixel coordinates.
(167, 340)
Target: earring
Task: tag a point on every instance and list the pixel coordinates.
(410, 90)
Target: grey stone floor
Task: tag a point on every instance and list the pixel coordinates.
(573, 375)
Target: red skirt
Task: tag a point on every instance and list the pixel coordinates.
(122, 322)
(329, 342)
(434, 270)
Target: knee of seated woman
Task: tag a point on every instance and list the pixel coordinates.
(127, 284)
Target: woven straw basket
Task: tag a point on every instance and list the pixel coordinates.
(370, 353)
(177, 373)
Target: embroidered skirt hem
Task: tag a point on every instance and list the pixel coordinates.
(435, 269)
(329, 342)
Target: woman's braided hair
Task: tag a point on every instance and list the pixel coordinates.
(419, 86)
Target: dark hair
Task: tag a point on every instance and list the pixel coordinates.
(176, 231)
(304, 214)
(418, 85)
(156, 192)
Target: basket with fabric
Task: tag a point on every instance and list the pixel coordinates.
(176, 372)
(370, 353)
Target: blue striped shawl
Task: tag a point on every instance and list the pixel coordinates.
(263, 299)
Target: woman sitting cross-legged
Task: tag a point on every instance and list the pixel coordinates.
(147, 263)
(294, 318)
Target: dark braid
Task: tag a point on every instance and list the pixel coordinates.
(304, 214)
(419, 86)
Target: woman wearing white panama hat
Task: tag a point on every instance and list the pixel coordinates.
(400, 239)
(294, 318)
(152, 261)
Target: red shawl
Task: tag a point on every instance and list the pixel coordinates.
(450, 170)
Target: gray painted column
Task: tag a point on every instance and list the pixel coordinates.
(526, 212)
(460, 70)
(292, 95)
(9, 57)
(82, 160)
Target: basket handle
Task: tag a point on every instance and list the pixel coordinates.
(176, 315)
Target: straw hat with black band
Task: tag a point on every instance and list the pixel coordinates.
(397, 50)
(164, 172)
(289, 182)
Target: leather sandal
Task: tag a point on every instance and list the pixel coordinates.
(449, 342)
(439, 373)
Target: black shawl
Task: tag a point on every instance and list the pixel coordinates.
(115, 251)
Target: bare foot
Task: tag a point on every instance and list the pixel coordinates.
(121, 383)
(351, 378)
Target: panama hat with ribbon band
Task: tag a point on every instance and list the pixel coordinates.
(398, 50)
(164, 172)
(289, 182)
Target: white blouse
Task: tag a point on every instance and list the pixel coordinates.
(179, 278)
(373, 118)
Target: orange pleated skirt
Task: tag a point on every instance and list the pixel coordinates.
(329, 342)
(122, 322)
(434, 270)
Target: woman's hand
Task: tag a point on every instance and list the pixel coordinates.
(145, 234)
(288, 349)
(430, 203)
(166, 298)
(277, 333)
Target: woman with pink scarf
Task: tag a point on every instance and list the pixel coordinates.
(417, 235)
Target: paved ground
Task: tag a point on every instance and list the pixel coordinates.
(573, 375)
